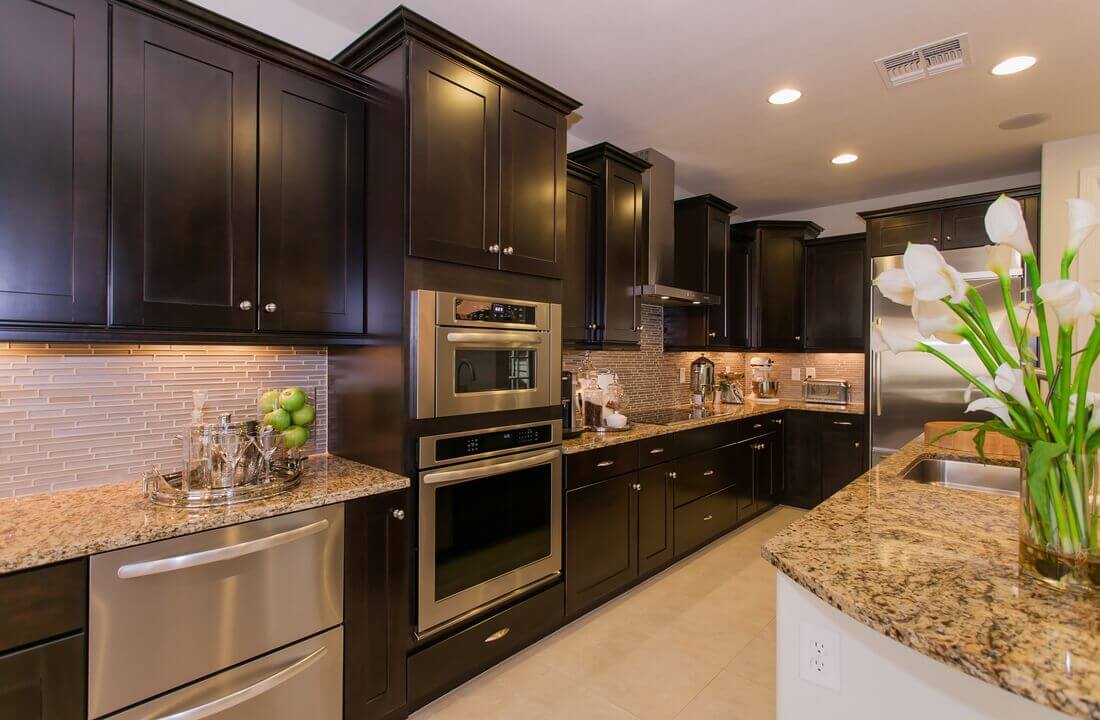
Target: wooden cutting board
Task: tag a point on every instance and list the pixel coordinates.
(995, 443)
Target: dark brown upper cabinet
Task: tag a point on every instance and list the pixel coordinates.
(620, 244)
(948, 224)
(577, 275)
(485, 148)
(835, 283)
(311, 205)
(53, 176)
(183, 211)
(533, 186)
(702, 263)
(776, 269)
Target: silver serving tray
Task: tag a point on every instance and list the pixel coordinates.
(167, 488)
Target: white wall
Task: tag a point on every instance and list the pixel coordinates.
(287, 21)
(843, 219)
(1063, 161)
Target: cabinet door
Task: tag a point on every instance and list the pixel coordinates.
(834, 296)
(576, 262)
(891, 235)
(842, 436)
(779, 301)
(601, 540)
(718, 270)
(742, 455)
(183, 183)
(376, 604)
(964, 227)
(44, 682)
(654, 517)
(802, 459)
(311, 205)
(455, 161)
(532, 181)
(621, 318)
(766, 477)
(738, 295)
(53, 177)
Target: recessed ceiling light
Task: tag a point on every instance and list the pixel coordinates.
(784, 96)
(1023, 121)
(1013, 65)
(845, 158)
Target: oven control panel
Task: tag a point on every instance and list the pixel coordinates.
(494, 312)
(493, 441)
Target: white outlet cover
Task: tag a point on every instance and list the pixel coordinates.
(819, 655)
(796, 374)
(683, 375)
(811, 373)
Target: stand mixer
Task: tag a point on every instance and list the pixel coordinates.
(764, 388)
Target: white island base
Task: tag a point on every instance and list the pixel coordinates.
(830, 666)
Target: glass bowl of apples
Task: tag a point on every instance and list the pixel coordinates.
(291, 413)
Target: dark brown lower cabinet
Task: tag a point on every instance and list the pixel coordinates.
(843, 456)
(601, 540)
(654, 518)
(376, 605)
(44, 682)
(823, 453)
(803, 459)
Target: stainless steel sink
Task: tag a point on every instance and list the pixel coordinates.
(963, 475)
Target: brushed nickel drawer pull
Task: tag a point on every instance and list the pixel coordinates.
(605, 463)
(205, 557)
(841, 422)
(707, 517)
(757, 426)
(656, 451)
(708, 473)
(498, 635)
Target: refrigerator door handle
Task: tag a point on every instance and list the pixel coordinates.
(876, 370)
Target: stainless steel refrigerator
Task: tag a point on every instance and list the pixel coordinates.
(910, 389)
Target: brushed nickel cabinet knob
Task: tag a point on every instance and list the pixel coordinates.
(398, 514)
(271, 307)
(508, 250)
(245, 305)
(494, 248)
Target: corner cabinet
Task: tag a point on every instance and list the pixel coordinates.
(775, 250)
(946, 224)
(834, 284)
(619, 244)
(54, 144)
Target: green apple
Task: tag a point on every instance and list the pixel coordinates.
(269, 401)
(295, 437)
(304, 415)
(278, 419)
(292, 399)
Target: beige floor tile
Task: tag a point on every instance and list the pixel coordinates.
(756, 661)
(731, 697)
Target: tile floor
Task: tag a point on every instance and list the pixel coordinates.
(696, 642)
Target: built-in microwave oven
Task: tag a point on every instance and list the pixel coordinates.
(473, 354)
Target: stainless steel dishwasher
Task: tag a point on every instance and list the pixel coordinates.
(168, 613)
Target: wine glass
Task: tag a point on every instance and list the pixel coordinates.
(267, 442)
(230, 447)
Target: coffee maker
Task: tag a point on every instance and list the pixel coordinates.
(703, 383)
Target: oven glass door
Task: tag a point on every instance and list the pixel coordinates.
(486, 529)
(491, 370)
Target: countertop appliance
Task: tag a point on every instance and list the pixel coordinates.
(490, 519)
(703, 382)
(826, 392)
(909, 389)
(474, 354)
(764, 388)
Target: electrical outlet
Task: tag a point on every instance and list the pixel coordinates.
(727, 369)
(683, 375)
(796, 374)
(819, 655)
(811, 373)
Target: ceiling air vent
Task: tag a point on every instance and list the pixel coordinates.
(932, 59)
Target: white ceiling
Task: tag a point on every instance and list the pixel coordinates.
(691, 78)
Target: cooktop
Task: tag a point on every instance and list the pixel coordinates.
(671, 416)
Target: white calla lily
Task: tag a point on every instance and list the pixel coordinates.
(991, 405)
(895, 285)
(1004, 223)
(1094, 421)
(1001, 259)
(1084, 218)
(1069, 299)
(1026, 319)
(1090, 402)
(932, 277)
(886, 341)
(1010, 381)
(935, 319)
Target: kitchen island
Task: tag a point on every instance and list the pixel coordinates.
(936, 570)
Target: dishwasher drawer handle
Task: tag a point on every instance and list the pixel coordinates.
(498, 635)
(205, 557)
(233, 699)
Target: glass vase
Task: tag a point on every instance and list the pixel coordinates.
(1060, 522)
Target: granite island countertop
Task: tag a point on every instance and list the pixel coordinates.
(41, 529)
(935, 568)
(723, 413)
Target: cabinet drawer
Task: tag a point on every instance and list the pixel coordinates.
(42, 603)
(436, 669)
(701, 474)
(656, 450)
(246, 589)
(706, 518)
(588, 467)
(44, 682)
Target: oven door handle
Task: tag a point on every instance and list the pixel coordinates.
(450, 476)
(497, 339)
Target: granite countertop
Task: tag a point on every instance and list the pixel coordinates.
(47, 528)
(723, 413)
(935, 568)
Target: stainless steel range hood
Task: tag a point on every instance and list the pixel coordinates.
(658, 191)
